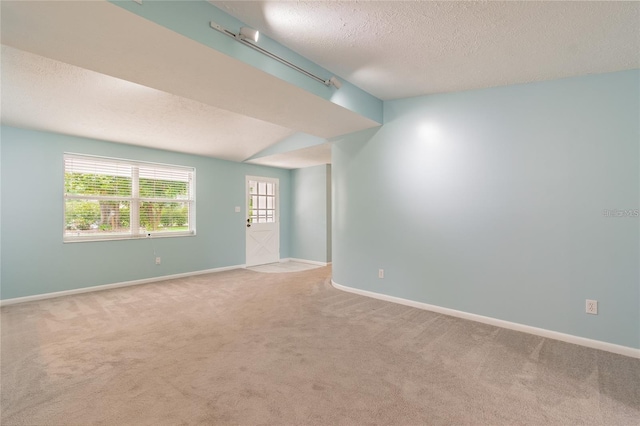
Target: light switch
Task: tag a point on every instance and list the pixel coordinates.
(237, 209)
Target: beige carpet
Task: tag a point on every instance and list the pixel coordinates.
(280, 267)
(242, 347)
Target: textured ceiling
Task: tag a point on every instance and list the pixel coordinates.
(43, 94)
(397, 49)
(155, 97)
(93, 69)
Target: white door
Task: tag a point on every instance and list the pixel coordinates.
(262, 223)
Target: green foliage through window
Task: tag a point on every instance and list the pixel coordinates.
(100, 195)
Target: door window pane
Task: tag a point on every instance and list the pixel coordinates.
(262, 202)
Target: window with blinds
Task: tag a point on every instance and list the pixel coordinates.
(107, 198)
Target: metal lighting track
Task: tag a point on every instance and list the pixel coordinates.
(267, 53)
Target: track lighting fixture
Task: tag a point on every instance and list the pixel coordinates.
(247, 33)
(333, 81)
(249, 36)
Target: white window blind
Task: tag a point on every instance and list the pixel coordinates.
(107, 198)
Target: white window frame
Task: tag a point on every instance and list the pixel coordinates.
(135, 232)
(275, 196)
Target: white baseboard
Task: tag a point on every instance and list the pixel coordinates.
(310, 262)
(569, 338)
(16, 300)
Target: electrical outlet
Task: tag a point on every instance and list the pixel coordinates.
(592, 307)
(158, 260)
(380, 273)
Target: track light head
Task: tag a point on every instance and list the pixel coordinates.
(333, 81)
(247, 33)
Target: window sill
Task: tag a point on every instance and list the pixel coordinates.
(128, 237)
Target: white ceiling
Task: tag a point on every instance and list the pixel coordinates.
(397, 49)
(305, 157)
(93, 69)
(108, 108)
(86, 68)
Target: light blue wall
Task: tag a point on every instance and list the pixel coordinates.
(191, 19)
(34, 259)
(491, 202)
(311, 218)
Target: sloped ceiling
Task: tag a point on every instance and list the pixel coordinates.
(305, 157)
(93, 69)
(119, 77)
(102, 107)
